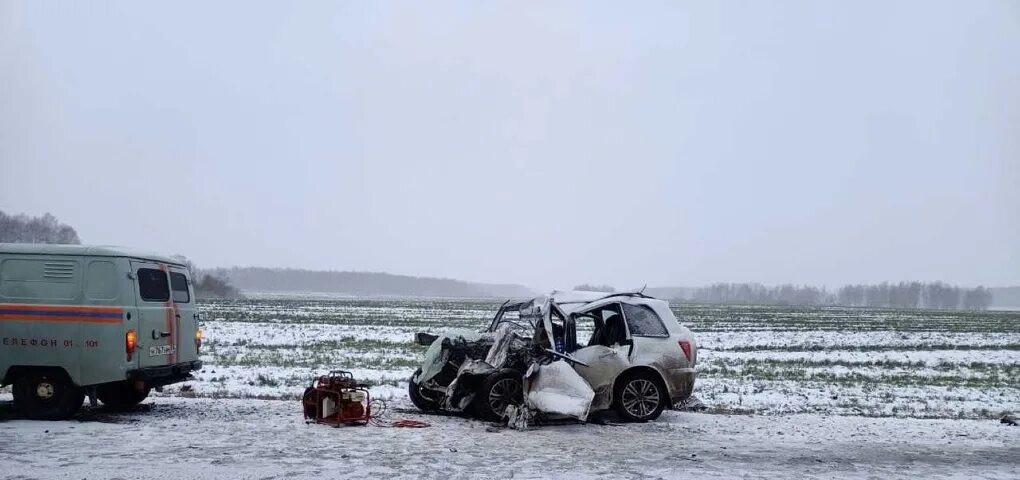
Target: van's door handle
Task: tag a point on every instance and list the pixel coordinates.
(178, 316)
(157, 334)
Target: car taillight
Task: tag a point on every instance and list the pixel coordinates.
(686, 347)
(130, 343)
(198, 338)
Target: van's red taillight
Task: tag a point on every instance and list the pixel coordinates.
(686, 347)
(198, 338)
(130, 343)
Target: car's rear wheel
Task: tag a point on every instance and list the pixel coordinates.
(47, 395)
(414, 392)
(499, 390)
(640, 397)
(121, 395)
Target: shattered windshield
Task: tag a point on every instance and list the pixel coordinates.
(520, 323)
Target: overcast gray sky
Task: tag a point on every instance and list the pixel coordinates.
(543, 143)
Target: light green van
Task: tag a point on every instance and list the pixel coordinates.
(104, 321)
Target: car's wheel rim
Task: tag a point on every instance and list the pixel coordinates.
(640, 398)
(44, 390)
(502, 394)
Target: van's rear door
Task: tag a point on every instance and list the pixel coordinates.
(157, 321)
(182, 295)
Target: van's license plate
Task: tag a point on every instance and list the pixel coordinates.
(160, 350)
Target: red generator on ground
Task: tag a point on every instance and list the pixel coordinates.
(337, 399)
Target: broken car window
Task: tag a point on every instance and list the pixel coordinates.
(610, 329)
(643, 321)
(517, 322)
(586, 329)
(558, 324)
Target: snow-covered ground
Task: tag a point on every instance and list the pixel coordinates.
(813, 393)
(767, 360)
(202, 438)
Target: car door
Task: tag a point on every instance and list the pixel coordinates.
(600, 363)
(157, 322)
(185, 314)
(556, 387)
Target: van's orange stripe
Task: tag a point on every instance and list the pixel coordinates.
(60, 313)
(50, 318)
(58, 308)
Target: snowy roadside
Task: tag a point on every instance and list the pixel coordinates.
(201, 438)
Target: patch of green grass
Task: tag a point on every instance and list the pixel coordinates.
(266, 381)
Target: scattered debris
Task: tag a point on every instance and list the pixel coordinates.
(405, 423)
(692, 404)
(517, 417)
(425, 339)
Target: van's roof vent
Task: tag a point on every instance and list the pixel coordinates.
(58, 270)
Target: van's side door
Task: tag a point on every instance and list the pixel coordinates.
(186, 314)
(157, 322)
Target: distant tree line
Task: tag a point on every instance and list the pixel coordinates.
(209, 285)
(47, 229)
(758, 294)
(22, 228)
(214, 286)
(258, 279)
(883, 295)
(915, 295)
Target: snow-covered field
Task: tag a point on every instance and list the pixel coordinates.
(196, 438)
(765, 360)
(816, 392)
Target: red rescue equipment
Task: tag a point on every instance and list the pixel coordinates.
(337, 399)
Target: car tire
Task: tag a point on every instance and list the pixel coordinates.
(47, 395)
(499, 390)
(414, 392)
(639, 396)
(120, 395)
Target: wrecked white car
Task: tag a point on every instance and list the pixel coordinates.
(567, 354)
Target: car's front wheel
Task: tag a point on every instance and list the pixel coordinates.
(419, 400)
(499, 390)
(640, 397)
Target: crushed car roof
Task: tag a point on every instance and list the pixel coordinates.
(574, 300)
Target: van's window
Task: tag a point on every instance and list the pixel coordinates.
(179, 285)
(40, 279)
(643, 321)
(152, 285)
(101, 281)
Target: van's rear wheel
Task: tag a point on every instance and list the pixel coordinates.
(121, 395)
(47, 395)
